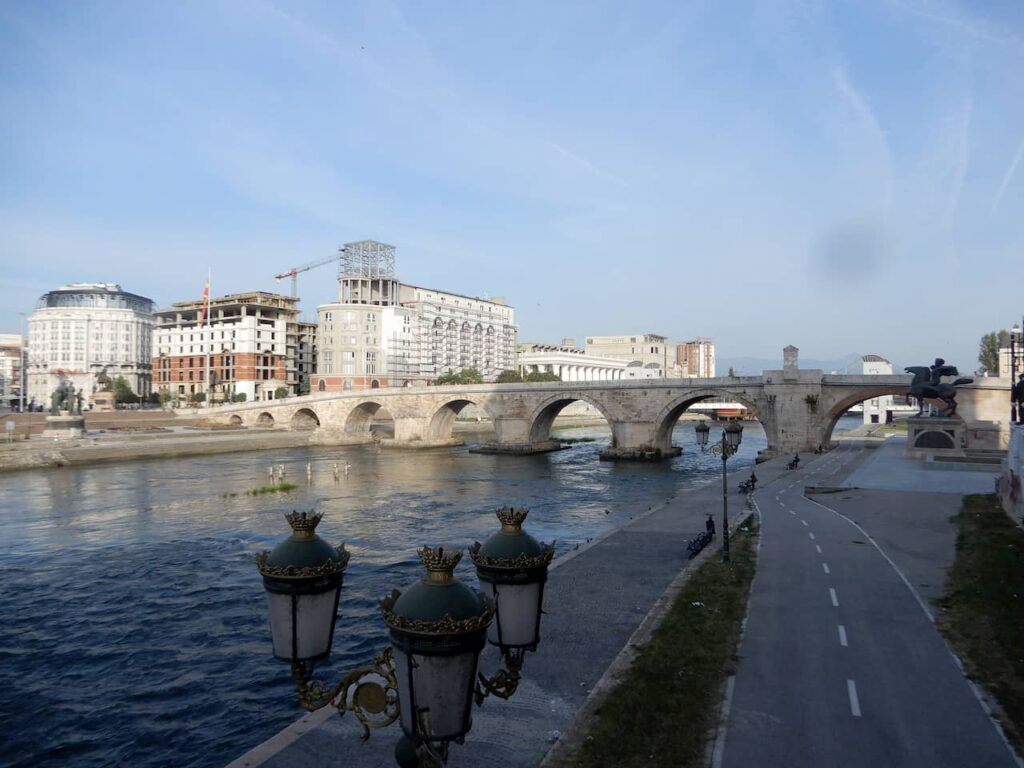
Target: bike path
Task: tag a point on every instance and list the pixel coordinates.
(840, 664)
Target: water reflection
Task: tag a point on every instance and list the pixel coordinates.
(134, 617)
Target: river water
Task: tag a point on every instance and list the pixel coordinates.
(134, 628)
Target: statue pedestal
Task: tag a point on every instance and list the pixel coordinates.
(65, 426)
(103, 401)
(929, 436)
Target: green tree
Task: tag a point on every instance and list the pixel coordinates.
(542, 376)
(238, 397)
(154, 398)
(988, 350)
(123, 392)
(471, 376)
(197, 397)
(281, 393)
(509, 377)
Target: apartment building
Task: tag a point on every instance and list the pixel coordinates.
(646, 354)
(696, 359)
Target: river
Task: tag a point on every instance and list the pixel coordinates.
(134, 627)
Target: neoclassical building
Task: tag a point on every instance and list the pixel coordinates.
(81, 330)
(382, 332)
(569, 363)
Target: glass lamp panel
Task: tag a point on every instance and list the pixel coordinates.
(518, 613)
(404, 690)
(443, 685)
(315, 615)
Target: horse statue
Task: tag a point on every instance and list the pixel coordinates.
(927, 384)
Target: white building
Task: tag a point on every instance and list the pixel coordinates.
(382, 332)
(696, 359)
(83, 329)
(568, 363)
(646, 354)
(11, 356)
(878, 410)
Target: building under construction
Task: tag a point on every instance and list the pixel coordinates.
(382, 332)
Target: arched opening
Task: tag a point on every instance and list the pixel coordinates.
(442, 422)
(374, 384)
(264, 420)
(677, 420)
(235, 420)
(582, 420)
(898, 409)
(305, 419)
(322, 386)
(360, 418)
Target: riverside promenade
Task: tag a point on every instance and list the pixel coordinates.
(595, 601)
(605, 597)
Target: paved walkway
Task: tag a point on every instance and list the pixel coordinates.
(594, 600)
(841, 664)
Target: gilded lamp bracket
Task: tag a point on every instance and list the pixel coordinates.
(370, 692)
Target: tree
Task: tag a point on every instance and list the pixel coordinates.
(988, 350)
(281, 393)
(471, 376)
(123, 392)
(509, 377)
(542, 376)
(238, 397)
(154, 398)
(197, 397)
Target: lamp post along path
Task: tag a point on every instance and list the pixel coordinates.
(428, 678)
(732, 436)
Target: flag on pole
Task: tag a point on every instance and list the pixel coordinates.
(204, 309)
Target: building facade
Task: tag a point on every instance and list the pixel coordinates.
(569, 363)
(878, 410)
(11, 368)
(696, 359)
(83, 330)
(382, 332)
(249, 344)
(645, 353)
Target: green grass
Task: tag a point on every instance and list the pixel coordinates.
(983, 609)
(281, 487)
(663, 711)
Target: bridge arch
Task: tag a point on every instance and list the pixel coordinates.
(265, 419)
(543, 416)
(848, 400)
(305, 419)
(235, 420)
(360, 417)
(440, 427)
(666, 420)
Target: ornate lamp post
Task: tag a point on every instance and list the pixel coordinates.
(732, 436)
(427, 679)
(1016, 348)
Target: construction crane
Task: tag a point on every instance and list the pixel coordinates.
(293, 273)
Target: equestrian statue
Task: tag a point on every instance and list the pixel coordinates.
(927, 384)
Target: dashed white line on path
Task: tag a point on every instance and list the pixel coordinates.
(851, 688)
(804, 522)
(824, 567)
(832, 594)
(811, 535)
(842, 636)
(818, 547)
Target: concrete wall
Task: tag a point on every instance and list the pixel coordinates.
(1011, 482)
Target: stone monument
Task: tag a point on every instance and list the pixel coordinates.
(65, 419)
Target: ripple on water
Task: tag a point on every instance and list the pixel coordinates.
(134, 619)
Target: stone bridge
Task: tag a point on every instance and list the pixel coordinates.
(797, 408)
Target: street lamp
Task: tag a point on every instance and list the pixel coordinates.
(1016, 348)
(428, 678)
(732, 436)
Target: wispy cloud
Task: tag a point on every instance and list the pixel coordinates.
(962, 157)
(1008, 176)
(973, 27)
(869, 123)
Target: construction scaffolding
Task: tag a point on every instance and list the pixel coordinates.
(367, 258)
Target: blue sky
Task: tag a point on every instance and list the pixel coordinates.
(844, 177)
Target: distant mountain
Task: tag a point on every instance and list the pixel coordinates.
(753, 366)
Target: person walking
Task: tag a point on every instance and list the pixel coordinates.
(752, 481)
(1017, 398)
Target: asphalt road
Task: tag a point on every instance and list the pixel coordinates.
(841, 664)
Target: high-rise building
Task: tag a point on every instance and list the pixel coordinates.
(646, 354)
(82, 330)
(247, 344)
(696, 359)
(382, 332)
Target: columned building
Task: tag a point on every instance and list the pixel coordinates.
(568, 363)
(82, 330)
(247, 344)
(11, 367)
(384, 333)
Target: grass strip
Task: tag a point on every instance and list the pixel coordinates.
(662, 713)
(281, 487)
(983, 608)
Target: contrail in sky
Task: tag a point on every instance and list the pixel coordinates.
(1009, 176)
